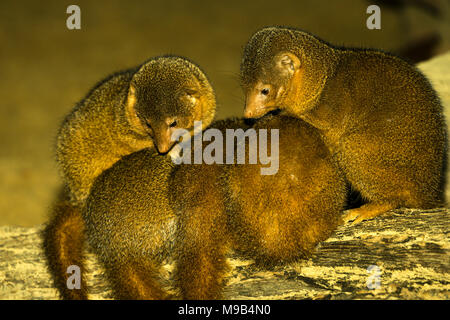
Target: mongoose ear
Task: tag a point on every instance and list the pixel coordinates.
(131, 99)
(287, 62)
(130, 110)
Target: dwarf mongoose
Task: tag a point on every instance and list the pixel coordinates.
(129, 111)
(377, 114)
(126, 112)
(146, 209)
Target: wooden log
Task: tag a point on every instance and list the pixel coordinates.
(401, 255)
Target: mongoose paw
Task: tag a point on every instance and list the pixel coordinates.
(367, 211)
(354, 217)
(349, 215)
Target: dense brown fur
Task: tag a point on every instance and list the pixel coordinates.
(129, 111)
(130, 224)
(63, 239)
(377, 114)
(271, 218)
(145, 209)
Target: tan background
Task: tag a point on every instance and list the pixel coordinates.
(46, 68)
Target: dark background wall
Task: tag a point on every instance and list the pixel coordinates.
(46, 68)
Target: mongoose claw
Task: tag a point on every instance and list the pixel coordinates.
(367, 211)
(350, 215)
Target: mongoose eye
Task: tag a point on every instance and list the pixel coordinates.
(191, 92)
(173, 124)
(265, 91)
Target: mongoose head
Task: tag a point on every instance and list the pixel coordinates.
(169, 93)
(285, 69)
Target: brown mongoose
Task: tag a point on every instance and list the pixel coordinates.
(129, 111)
(273, 219)
(146, 209)
(126, 112)
(377, 114)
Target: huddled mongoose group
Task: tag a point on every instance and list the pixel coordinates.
(146, 209)
(356, 117)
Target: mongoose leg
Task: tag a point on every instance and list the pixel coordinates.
(200, 271)
(135, 281)
(202, 243)
(63, 247)
(201, 261)
(367, 211)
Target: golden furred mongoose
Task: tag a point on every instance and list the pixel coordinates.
(130, 110)
(146, 209)
(377, 114)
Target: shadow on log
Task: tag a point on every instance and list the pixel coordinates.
(401, 255)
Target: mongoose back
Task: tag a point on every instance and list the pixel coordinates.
(273, 219)
(145, 209)
(377, 114)
(126, 112)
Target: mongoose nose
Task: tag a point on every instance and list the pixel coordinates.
(248, 113)
(163, 149)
